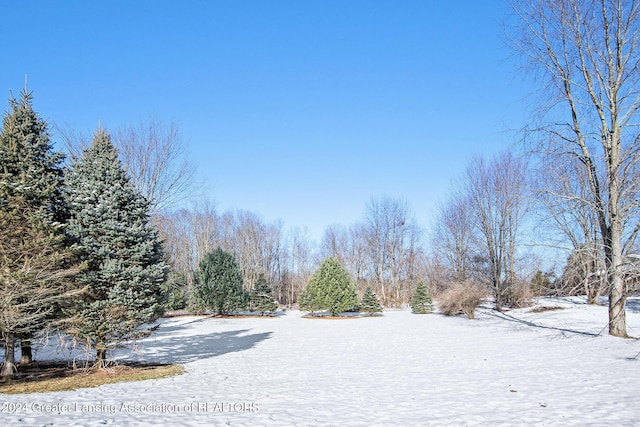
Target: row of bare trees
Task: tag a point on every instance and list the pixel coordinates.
(479, 229)
(191, 233)
(383, 251)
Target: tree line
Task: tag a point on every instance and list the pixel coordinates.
(576, 175)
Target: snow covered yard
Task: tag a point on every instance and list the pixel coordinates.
(556, 367)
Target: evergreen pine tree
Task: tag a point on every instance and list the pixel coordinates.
(261, 298)
(110, 221)
(421, 302)
(306, 301)
(370, 303)
(173, 291)
(219, 284)
(35, 268)
(331, 288)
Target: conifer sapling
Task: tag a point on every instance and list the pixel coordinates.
(330, 288)
(261, 298)
(421, 302)
(370, 303)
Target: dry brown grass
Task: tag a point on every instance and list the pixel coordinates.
(44, 378)
(542, 309)
(222, 316)
(309, 316)
(244, 316)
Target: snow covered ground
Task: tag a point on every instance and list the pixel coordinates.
(517, 368)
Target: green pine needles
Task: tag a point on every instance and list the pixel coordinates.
(219, 284)
(369, 303)
(330, 288)
(261, 298)
(109, 220)
(421, 302)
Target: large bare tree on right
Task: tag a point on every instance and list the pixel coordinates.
(586, 51)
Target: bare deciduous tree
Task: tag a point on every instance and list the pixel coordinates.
(349, 246)
(452, 236)
(571, 222)
(335, 241)
(495, 191)
(154, 155)
(587, 53)
(392, 239)
(189, 234)
(257, 247)
(300, 268)
(382, 251)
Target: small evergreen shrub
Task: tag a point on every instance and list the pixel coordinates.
(219, 284)
(330, 288)
(461, 298)
(541, 284)
(261, 297)
(421, 302)
(173, 292)
(369, 303)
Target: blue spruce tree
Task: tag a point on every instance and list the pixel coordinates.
(421, 302)
(261, 297)
(369, 303)
(109, 220)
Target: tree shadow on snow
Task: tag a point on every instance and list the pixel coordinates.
(510, 318)
(633, 305)
(185, 349)
(164, 329)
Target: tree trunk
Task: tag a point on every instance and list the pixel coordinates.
(590, 289)
(617, 296)
(498, 296)
(9, 365)
(25, 349)
(101, 356)
(617, 300)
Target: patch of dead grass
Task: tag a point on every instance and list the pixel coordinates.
(224, 316)
(543, 308)
(44, 378)
(325, 317)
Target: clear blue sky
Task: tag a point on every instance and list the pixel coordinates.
(297, 110)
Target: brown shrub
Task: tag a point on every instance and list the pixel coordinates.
(461, 298)
(519, 295)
